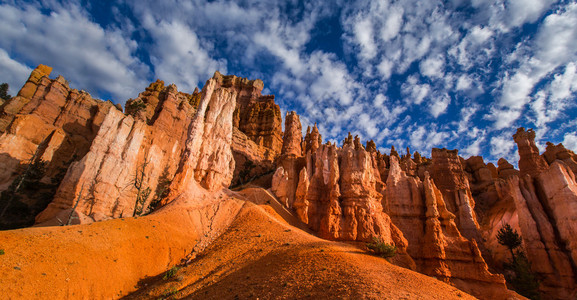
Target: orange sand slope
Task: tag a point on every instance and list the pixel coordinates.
(259, 256)
(262, 256)
(105, 260)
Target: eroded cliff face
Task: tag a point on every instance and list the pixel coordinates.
(339, 193)
(47, 126)
(131, 160)
(539, 202)
(257, 120)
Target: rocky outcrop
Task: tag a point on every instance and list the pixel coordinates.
(434, 241)
(559, 152)
(293, 136)
(290, 163)
(340, 195)
(47, 125)
(131, 159)
(548, 261)
(208, 157)
(530, 162)
(451, 179)
(257, 137)
(256, 115)
(559, 192)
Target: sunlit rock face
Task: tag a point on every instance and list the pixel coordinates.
(50, 125)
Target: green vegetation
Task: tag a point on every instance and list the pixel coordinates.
(134, 106)
(142, 192)
(509, 238)
(381, 248)
(168, 293)
(162, 191)
(4, 87)
(521, 278)
(2, 252)
(171, 273)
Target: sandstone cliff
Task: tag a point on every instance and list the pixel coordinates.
(48, 126)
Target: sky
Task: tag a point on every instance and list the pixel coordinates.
(457, 74)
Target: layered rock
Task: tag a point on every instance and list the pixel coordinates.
(434, 241)
(257, 138)
(559, 152)
(131, 158)
(256, 115)
(451, 179)
(548, 260)
(291, 161)
(530, 162)
(47, 110)
(341, 196)
(47, 124)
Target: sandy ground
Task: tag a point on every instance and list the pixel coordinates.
(262, 256)
(106, 260)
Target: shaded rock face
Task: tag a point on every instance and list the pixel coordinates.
(256, 115)
(548, 261)
(47, 123)
(418, 209)
(257, 138)
(538, 201)
(452, 181)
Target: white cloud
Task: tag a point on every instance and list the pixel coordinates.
(570, 141)
(424, 138)
(178, 57)
(464, 82)
(466, 113)
(363, 30)
(393, 23)
(13, 72)
(554, 46)
(439, 105)
(473, 149)
(433, 66)
(89, 56)
(413, 91)
(502, 146)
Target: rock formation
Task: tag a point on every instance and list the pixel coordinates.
(442, 213)
(530, 161)
(49, 124)
(140, 146)
(448, 174)
(257, 138)
(340, 194)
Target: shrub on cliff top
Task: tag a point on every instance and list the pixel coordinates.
(381, 248)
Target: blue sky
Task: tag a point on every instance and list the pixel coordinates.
(456, 74)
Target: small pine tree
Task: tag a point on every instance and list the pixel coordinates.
(509, 238)
(4, 87)
(524, 281)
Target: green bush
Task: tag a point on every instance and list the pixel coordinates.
(381, 248)
(171, 273)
